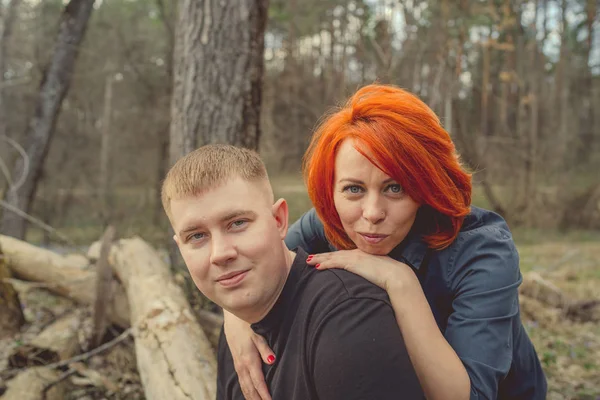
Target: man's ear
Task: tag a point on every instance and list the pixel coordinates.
(281, 214)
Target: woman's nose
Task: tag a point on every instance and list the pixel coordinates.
(373, 210)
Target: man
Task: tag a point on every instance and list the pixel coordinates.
(334, 333)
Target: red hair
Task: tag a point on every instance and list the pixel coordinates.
(403, 137)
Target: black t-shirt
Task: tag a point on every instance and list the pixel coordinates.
(335, 337)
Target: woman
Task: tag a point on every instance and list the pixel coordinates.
(392, 204)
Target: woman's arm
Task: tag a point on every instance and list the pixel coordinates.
(441, 373)
(247, 348)
(440, 370)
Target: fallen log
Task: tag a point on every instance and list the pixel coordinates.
(30, 385)
(11, 315)
(534, 286)
(57, 341)
(61, 336)
(67, 276)
(175, 359)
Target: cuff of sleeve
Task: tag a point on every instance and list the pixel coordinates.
(474, 394)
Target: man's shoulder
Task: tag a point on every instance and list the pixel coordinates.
(335, 286)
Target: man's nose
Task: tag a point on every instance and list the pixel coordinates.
(373, 209)
(223, 250)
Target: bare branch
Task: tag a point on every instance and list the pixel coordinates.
(126, 333)
(5, 172)
(37, 222)
(15, 82)
(103, 287)
(15, 186)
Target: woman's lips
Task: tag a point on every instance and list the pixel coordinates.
(372, 238)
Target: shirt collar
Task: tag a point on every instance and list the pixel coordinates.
(411, 251)
(269, 326)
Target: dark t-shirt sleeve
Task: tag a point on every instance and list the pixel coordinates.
(358, 353)
(228, 387)
(308, 232)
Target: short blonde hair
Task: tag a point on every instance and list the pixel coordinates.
(208, 167)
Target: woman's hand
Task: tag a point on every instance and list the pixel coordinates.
(382, 271)
(247, 349)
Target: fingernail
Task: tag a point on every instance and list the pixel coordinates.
(317, 266)
(309, 258)
(271, 359)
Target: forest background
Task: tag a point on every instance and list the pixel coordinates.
(515, 82)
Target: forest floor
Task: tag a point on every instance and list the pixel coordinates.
(569, 349)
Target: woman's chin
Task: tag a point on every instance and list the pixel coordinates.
(375, 249)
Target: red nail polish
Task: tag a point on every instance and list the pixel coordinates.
(309, 258)
(317, 266)
(271, 359)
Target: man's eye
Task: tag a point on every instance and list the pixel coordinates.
(352, 189)
(196, 236)
(239, 223)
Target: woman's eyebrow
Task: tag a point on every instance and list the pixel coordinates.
(358, 181)
(351, 180)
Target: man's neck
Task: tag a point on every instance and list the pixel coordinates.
(257, 315)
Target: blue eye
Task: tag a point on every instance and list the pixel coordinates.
(395, 188)
(239, 223)
(196, 236)
(352, 189)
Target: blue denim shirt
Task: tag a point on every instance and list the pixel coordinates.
(472, 288)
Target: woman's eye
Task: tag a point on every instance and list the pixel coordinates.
(353, 189)
(395, 188)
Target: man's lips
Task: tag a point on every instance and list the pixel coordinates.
(373, 238)
(232, 278)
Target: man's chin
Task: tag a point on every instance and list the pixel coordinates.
(241, 309)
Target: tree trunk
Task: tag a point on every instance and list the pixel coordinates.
(532, 143)
(53, 88)
(218, 71)
(11, 315)
(104, 181)
(162, 166)
(561, 99)
(586, 93)
(7, 19)
(485, 82)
